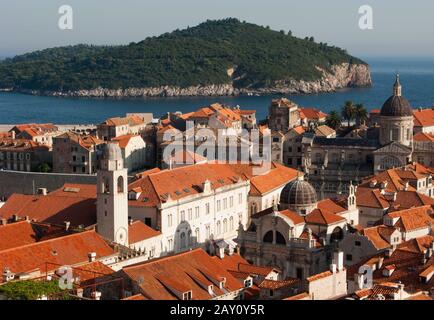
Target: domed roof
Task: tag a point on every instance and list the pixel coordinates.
(112, 151)
(298, 193)
(397, 105)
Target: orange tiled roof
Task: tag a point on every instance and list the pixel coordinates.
(68, 250)
(312, 114)
(132, 120)
(319, 276)
(188, 271)
(300, 296)
(423, 118)
(323, 217)
(274, 285)
(186, 181)
(423, 137)
(73, 203)
(331, 205)
(17, 234)
(123, 141)
(91, 271)
(138, 231)
(413, 219)
(377, 235)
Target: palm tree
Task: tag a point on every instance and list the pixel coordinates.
(334, 120)
(361, 114)
(349, 112)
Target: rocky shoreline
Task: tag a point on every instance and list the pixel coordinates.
(341, 76)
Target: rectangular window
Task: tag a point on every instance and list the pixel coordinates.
(196, 213)
(349, 257)
(218, 205)
(207, 208)
(225, 203)
(182, 215)
(231, 201)
(357, 243)
(190, 214)
(240, 198)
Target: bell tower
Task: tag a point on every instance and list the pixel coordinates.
(112, 196)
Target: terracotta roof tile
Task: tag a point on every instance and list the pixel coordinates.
(323, 217)
(67, 250)
(424, 118)
(138, 231)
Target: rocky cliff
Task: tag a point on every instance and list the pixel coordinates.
(341, 76)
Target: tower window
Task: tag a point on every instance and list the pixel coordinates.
(121, 184)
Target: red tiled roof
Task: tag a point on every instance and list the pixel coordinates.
(92, 270)
(187, 181)
(67, 250)
(312, 114)
(377, 236)
(123, 141)
(73, 203)
(319, 276)
(323, 217)
(274, 285)
(424, 118)
(16, 235)
(424, 137)
(138, 231)
(185, 271)
(413, 219)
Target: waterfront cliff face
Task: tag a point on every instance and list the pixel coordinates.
(341, 76)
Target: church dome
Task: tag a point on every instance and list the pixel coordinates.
(298, 193)
(112, 151)
(397, 105)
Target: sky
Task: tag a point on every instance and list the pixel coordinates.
(401, 28)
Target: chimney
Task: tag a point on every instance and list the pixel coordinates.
(79, 292)
(8, 275)
(13, 134)
(333, 268)
(15, 218)
(92, 256)
(3, 222)
(394, 195)
(96, 295)
(339, 260)
(221, 252)
(373, 183)
(67, 225)
(130, 221)
(42, 191)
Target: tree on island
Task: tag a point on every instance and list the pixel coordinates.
(334, 120)
(349, 112)
(361, 114)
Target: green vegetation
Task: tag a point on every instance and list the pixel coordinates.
(200, 55)
(30, 290)
(334, 120)
(349, 112)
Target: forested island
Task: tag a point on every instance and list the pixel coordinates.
(223, 57)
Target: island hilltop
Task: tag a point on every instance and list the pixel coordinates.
(215, 58)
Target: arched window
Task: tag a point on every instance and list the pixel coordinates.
(337, 234)
(197, 236)
(280, 239)
(268, 238)
(121, 184)
(225, 225)
(183, 240)
(106, 185)
(390, 162)
(231, 223)
(190, 239)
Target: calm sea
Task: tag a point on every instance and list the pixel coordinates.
(417, 77)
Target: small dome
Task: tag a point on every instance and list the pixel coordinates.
(298, 193)
(397, 106)
(112, 151)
